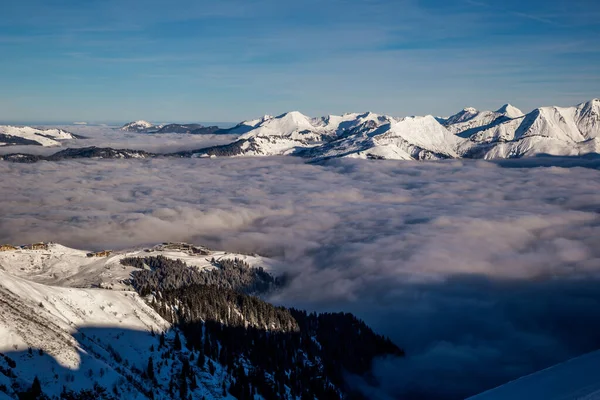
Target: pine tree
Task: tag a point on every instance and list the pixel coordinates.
(161, 341)
(185, 368)
(150, 369)
(193, 383)
(36, 388)
(183, 388)
(201, 360)
(207, 345)
(177, 342)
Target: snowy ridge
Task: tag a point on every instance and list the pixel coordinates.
(246, 126)
(11, 135)
(504, 133)
(470, 118)
(293, 131)
(421, 138)
(58, 265)
(563, 131)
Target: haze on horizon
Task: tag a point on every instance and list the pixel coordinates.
(232, 60)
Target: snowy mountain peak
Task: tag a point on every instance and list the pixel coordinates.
(466, 114)
(289, 124)
(587, 118)
(293, 115)
(592, 105)
(510, 111)
(369, 114)
(138, 126)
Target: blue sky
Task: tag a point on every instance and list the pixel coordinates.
(229, 60)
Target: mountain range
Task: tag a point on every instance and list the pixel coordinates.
(147, 127)
(504, 133)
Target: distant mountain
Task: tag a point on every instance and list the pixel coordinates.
(194, 129)
(147, 127)
(293, 131)
(565, 131)
(140, 126)
(25, 135)
(365, 135)
(470, 118)
(412, 138)
(82, 152)
(169, 321)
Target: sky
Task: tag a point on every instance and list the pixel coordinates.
(230, 60)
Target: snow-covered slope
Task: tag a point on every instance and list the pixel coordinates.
(70, 318)
(420, 138)
(510, 111)
(470, 118)
(247, 126)
(55, 264)
(75, 334)
(24, 135)
(293, 131)
(565, 131)
(140, 126)
(578, 378)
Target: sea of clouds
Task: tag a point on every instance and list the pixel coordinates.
(107, 136)
(482, 273)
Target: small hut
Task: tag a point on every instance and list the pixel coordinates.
(7, 247)
(104, 253)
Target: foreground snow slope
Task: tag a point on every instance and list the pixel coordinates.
(578, 378)
(28, 135)
(70, 318)
(76, 330)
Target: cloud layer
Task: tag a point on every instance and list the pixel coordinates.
(482, 273)
(102, 136)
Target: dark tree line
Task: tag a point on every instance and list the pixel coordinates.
(166, 274)
(266, 349)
